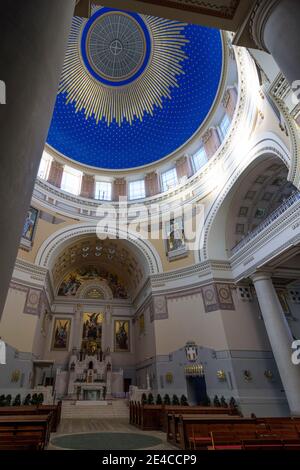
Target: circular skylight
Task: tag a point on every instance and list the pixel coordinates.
(134, 88)
(115, 46)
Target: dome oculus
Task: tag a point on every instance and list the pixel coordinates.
(124, 65)
(116, 47)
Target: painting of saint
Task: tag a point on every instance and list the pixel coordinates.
(30, 223)
(122, 342)
(70, 285)
(92, 331)
(61, 334)
(175, 234)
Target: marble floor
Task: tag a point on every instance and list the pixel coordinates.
(118, 425)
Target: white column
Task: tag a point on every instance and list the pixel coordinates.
(275, 28)
(280, 338)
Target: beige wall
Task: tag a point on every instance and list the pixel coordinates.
(189, 322)
(17, 328)
(240, 329)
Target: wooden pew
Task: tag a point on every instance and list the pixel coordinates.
(151, 417)
(200, 426)
(24, 432)
(155, 417)
(42, 410)
(194, 410)
(173, 434)
(240, 434)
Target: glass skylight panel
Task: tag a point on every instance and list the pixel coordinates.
(169, 179)
(199, 159)
(137, 189)
(71, 180)
(103, 190)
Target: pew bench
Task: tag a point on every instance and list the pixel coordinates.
(24, 432)
(42, 410)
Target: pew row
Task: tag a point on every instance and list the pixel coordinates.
(41, 410)
(25, 432)
(155, 417)
(233, 433)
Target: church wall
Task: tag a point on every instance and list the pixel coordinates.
(160, 246)
(17, 328)
(244, 328)
(232, 340)
(187, 321)
(16, 374)
(260, 394)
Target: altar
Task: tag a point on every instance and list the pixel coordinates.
(90, 367)
(93, 392)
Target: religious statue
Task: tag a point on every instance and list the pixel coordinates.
(176, 238)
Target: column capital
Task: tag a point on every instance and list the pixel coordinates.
(261, 276)
(258, 19)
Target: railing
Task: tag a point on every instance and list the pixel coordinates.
(290, 201)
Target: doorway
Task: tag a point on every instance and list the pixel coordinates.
(196, 390)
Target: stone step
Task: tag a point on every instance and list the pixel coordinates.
(77, 410)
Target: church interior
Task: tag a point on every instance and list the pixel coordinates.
(150, 265)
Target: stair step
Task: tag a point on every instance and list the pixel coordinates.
(114, 409)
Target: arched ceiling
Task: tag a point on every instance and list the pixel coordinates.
(259, 193)
(134, 88)
(91, 259)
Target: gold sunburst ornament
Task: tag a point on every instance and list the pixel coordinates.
(120, 66)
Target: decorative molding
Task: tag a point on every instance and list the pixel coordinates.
(35, 298)
(217, 297)
(225, 9)
(258, 19)
(33, 302)
(160, 308)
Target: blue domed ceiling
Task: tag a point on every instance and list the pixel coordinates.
(134, 88)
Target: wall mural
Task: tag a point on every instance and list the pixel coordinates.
(122, 340)
(72, 282)
(30, 224)
(61, 334)
(92, 332)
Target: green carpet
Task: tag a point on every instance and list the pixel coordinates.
(106, 441)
